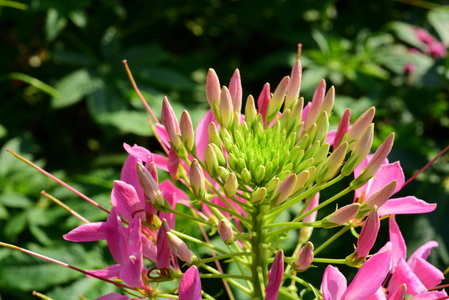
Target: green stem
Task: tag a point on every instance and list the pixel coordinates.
(231, 281)
(187, 216)
(225, 276)
(331, 239)
(195, 240)
(325, 203)
(225, 256)
(259, 260)
(340, 261)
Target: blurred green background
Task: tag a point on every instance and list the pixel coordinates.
(67, 104)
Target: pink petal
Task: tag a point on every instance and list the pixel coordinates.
(314, 203)
(129, 175)
(370, 277)
(88, 232)
(201, 135)
(163, 135)
(403, 274)
(386, 174)
(275, 276)
(429, 275)
(406, 205)
(108, 272)
(263, 101)
(422, 252)
(430, 295)
(399, 247)
(113, 296)
(331, 137)
(334, 284)
(379, 295)
(163, 249)
(368, 234)
(116, 237)
(139, 152)
(235, 89)
(125, 198)
(131, 273)
(190, 286)
(399, 293)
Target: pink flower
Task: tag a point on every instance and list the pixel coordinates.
(387, 173)
(275, 276)
(365, 284)
(190, 286)
(416, 273)
(368, 235)
(113, 296)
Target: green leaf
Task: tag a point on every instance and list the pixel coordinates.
(3, 213)
(105, 100)
(15, 225)
(145, 55)
(15, 200)
(74, 87)
(440, 21)
(54, 24)
(166, 78)
(406, 33)
(128, 122)
(90, 288)
(72, 58)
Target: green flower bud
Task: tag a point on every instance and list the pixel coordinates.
(258, 196)
(197, 180)
(231, 185)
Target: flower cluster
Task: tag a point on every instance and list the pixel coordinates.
(234, 175)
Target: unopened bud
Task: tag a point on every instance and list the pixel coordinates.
(360, 151)
(260, 174)
(223, 172)
(214, 136)
(277, 99)
(379, 198)
(328, 101)
(226, 111)
(187, 133)
(235, 89)
(360, 126)
(322, 127)
(273, 184)
(180, 249)
(250, 110)
(341, 216)
(225, 231)
(334, 161)
(210, 161)
(301, 180)
(368, 234)
(375, 162)
(284, 190)
(305, 258)
(171, 124)
(317, 100)
(246, 176)
(148, 184)
(258, 196)
(343, 128)
(296, 115)
(197, 180)
(231, 185)
(294, 85)
(212, 88)
(219, 154)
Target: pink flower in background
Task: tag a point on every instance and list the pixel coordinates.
(190, 286)
(433, 46)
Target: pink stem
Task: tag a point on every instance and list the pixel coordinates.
(426, 166)
(62, 264)
(58, 181)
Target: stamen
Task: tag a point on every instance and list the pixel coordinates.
(426, 166)
(74, 213)
(298, 54)
(62, 264)
(133, 82)
(58, 181)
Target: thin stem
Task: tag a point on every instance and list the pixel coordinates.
(225, 256)
(58, 202)
(426, 166)
(58, 181)
(231, 281)
(187, 216)
(225, 276)
(62, 264)
(340, 261)
(331, 240)
(200, 242)
(325, 203)
(259, 255)
(133, 82)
